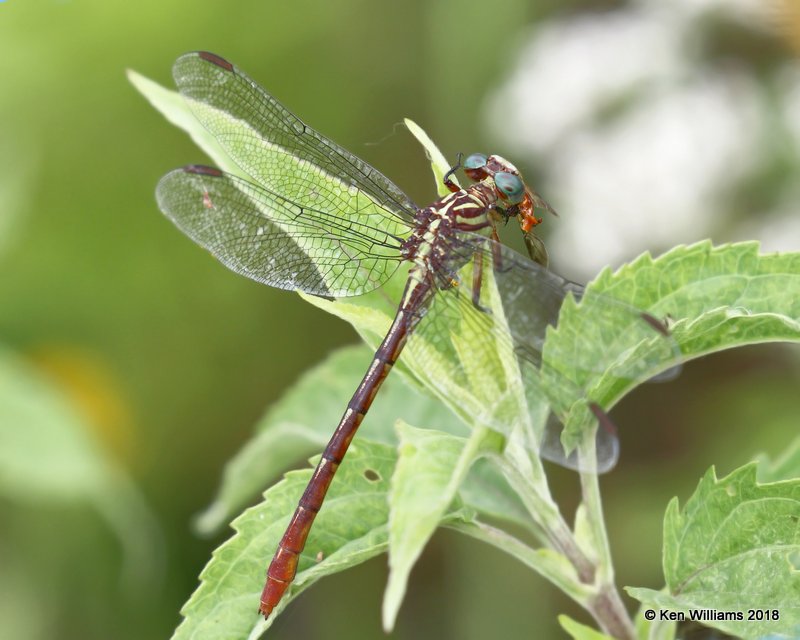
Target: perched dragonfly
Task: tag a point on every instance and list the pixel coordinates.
(307, 215)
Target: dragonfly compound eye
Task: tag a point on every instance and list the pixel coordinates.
(475, 161)
(475, 166)
(509, 187)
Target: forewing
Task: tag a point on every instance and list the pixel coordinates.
(278, 151)
(273, 240)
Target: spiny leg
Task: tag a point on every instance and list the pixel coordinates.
(447, 181)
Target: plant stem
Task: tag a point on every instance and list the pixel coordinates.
(591, 562)
(593, 505)
(607, 608)
(546, 564)
(535, 495)
(610, 613)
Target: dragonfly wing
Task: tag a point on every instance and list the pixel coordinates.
(273, 240)
(604, 448)
(283, 154)
(536, 249)
(598, 351)
(607, 336)
(540, 203)
(503, 357)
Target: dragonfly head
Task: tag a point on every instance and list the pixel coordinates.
(517, 199)
(479, 166)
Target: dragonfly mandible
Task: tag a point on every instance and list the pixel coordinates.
(307, 215)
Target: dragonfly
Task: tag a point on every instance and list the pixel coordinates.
(304, 214)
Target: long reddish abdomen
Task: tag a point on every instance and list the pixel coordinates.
(283, 567)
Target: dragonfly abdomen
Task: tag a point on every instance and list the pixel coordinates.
(283, 566)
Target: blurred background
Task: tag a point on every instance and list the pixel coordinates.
(132, 365)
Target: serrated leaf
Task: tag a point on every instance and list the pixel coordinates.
(350, 528)
(295, 428)
(579, 631)
(430, 469)
(714, 298)
(735, 546)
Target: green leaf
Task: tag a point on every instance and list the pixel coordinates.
(435, 157)
(579, 631)
(431, 467)
(715, 298)
(734, 547)
(785, 467)
(351, 527)
(653, 629)
(175, 109)
(553, 565)
(486, 491)
(46, 451)
(294, 428)
(48, 455)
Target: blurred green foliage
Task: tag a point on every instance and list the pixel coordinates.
(168, 359)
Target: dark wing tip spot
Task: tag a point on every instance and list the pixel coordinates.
(658, 325)
(202, 170)
(603, 419)
(213, 58)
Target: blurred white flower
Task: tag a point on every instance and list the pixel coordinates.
(639, 141)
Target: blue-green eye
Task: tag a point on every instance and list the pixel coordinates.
(475, 161)
(510, 186)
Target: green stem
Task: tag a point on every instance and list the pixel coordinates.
(610, 613)
(593, 574)
(593, 505)
(604, 606)
(607, 608)
(521, 472)
(547, 564)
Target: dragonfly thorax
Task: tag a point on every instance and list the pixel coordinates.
(465, 210)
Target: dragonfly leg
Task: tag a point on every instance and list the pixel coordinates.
(477, 283)
(497, 257)
(447, 181)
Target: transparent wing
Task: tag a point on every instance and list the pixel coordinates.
(506, 363)
(274, 240)
(536, 249)
(278, 151)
